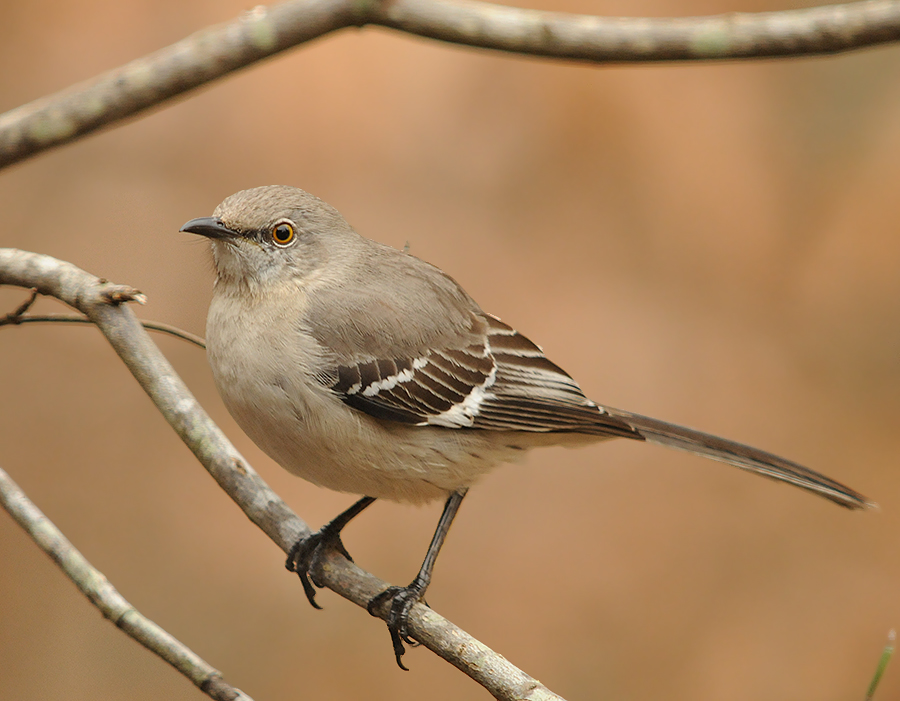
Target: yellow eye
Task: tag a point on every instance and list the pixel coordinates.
(282, 234)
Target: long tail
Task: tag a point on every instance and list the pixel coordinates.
(743, 456)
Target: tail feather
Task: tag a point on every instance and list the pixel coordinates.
(743, 456)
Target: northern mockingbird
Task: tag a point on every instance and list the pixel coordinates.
(366, 370)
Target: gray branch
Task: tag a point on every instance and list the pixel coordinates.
(102, 303)
(219, 50)
(105, 597)
(812, 31)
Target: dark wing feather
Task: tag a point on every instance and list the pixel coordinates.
(440, 388)
(502, 382)
(533, 394)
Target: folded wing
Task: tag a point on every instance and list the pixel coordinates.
(502, 381)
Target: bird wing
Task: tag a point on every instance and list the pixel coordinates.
(502, 381)
(499, 380)
(459, 368)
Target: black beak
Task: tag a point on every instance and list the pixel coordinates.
(210, 227)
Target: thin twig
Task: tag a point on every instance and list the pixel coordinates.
(240, 481)
(15, 316)
(96, 587)
(74, 319)
(263, 32)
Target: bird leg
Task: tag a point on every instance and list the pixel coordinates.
(305, 552)
(404, 598)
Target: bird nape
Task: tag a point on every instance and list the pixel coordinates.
(366, 370)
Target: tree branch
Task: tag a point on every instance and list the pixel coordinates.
(219, 50)
(739, 35)
(105, 597)
(101, 302)
(149, 81)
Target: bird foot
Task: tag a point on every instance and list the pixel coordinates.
(402, 600)
(304, 558)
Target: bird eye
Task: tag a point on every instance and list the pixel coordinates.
(283, 234)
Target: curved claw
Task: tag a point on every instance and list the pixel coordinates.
(402, 600)
(305, 554)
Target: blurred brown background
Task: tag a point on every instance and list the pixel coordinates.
(714, 245)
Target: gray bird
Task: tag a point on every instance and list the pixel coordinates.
(366, 370)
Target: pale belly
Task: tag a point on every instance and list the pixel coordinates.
(320, 439)
(311, 433)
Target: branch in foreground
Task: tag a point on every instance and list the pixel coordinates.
(219, 50)
(99, 301)
(105, 597)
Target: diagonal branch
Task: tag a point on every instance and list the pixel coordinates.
(101, 301)
(151, 80)
(111, 603)
(263, 32)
